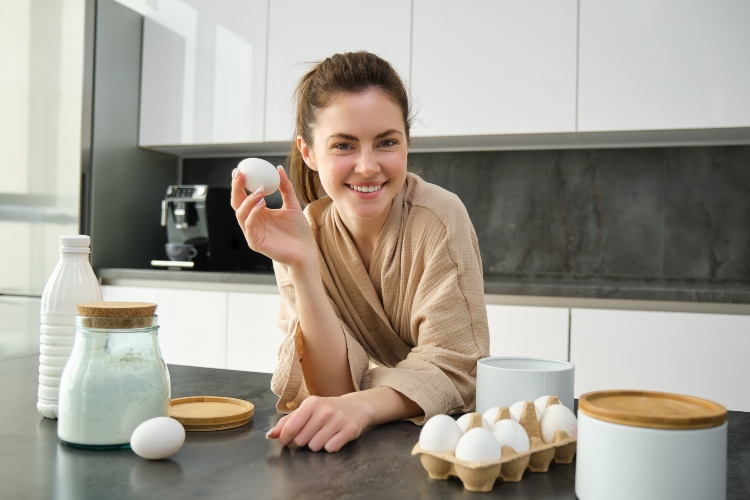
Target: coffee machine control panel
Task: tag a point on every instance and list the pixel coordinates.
(191, 193)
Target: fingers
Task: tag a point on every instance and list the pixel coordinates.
(247, 204)
(288, 195)
(338, 441)
(238, 189)
(274, 432)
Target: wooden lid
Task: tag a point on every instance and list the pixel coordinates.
(211, 413)
(117, 309)
(656, 410)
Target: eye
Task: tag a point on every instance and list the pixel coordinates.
(342, 146)
(388, 143)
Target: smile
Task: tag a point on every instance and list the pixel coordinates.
(365, 189)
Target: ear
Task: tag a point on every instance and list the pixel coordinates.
(306, 152)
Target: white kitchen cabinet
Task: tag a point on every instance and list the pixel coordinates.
(301, 33)
(494, 67)
(704, 355)
(192, 323)
(253, 338)
(670, 64)
(203, 72)
(528, 331)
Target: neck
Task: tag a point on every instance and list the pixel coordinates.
(364, 233)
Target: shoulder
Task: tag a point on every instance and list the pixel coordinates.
(431, 202)
(317, 211)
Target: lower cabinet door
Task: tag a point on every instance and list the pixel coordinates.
(704, 355)
(252, 355)
(192, 323)
(253, 339)
(532, 331)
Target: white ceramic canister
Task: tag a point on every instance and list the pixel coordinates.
(650, 446)
(505, 380)
(73, 281)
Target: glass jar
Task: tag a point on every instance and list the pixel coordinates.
(115, 380)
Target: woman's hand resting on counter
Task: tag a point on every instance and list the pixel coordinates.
(283, 235)
(329, 423)
(321, 423)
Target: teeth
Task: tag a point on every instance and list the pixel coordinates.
(366, 189)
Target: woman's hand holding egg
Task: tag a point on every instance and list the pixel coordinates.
(284, 234)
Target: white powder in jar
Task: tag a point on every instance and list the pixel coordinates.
(106, 398)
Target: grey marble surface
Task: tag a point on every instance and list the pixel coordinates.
(650, 214)
(241, 463)
(237, 463)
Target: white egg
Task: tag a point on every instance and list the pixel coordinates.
(511, 433)
(463, 422)
(541, 403)
(491, 415)
(557, 417)
(517, 410)
(259, 173)
(157, 438)
(478, 445)
(440, 433)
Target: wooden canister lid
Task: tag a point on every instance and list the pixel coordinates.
(656, 410)
(116, 315)
(211, 413)
(117, 309)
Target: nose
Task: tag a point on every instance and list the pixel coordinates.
(367, 164)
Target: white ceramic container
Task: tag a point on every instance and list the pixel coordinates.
(502, 381)
(618, 461)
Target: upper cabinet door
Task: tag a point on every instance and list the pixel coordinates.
(670, 64)
(203, 72)
(493, 67)
(306, 32)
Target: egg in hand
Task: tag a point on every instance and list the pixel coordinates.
(259, 173)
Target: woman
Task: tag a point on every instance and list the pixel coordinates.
(381, 280)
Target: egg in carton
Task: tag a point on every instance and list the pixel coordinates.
(481, 476)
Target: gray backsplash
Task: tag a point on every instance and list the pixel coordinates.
(648, 215)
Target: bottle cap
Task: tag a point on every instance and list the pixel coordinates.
(75, 240)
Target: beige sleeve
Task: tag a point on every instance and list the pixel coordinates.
(449, 320)
(288, 380)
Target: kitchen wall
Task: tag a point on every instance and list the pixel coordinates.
(648, 215)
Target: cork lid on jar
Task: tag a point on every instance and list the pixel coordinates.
(117, 315)
(656, 410)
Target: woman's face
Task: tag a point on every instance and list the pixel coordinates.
(359, 150)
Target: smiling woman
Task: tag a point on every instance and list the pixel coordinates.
(382, 309)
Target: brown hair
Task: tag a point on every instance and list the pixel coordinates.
(350, 72)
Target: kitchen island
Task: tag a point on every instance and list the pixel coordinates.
(241, 463)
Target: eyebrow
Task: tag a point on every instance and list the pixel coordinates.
(349, 137)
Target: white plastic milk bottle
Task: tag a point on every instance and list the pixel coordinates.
(72, 282)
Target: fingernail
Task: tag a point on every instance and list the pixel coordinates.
(261, 201)
(258, 191)
(268, 434)
(234, 174)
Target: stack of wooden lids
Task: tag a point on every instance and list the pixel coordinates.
(655, 410)
(211, 413)
(117, 315)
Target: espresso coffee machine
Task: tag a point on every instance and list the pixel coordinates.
(203, 233)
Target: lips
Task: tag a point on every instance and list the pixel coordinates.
(372, 188)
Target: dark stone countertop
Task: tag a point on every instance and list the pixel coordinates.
(694, 291)
(241, 463)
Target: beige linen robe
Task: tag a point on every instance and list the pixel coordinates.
(419, 314)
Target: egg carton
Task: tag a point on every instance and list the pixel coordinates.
(481, 476)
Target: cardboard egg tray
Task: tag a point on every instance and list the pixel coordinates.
(481, 476)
